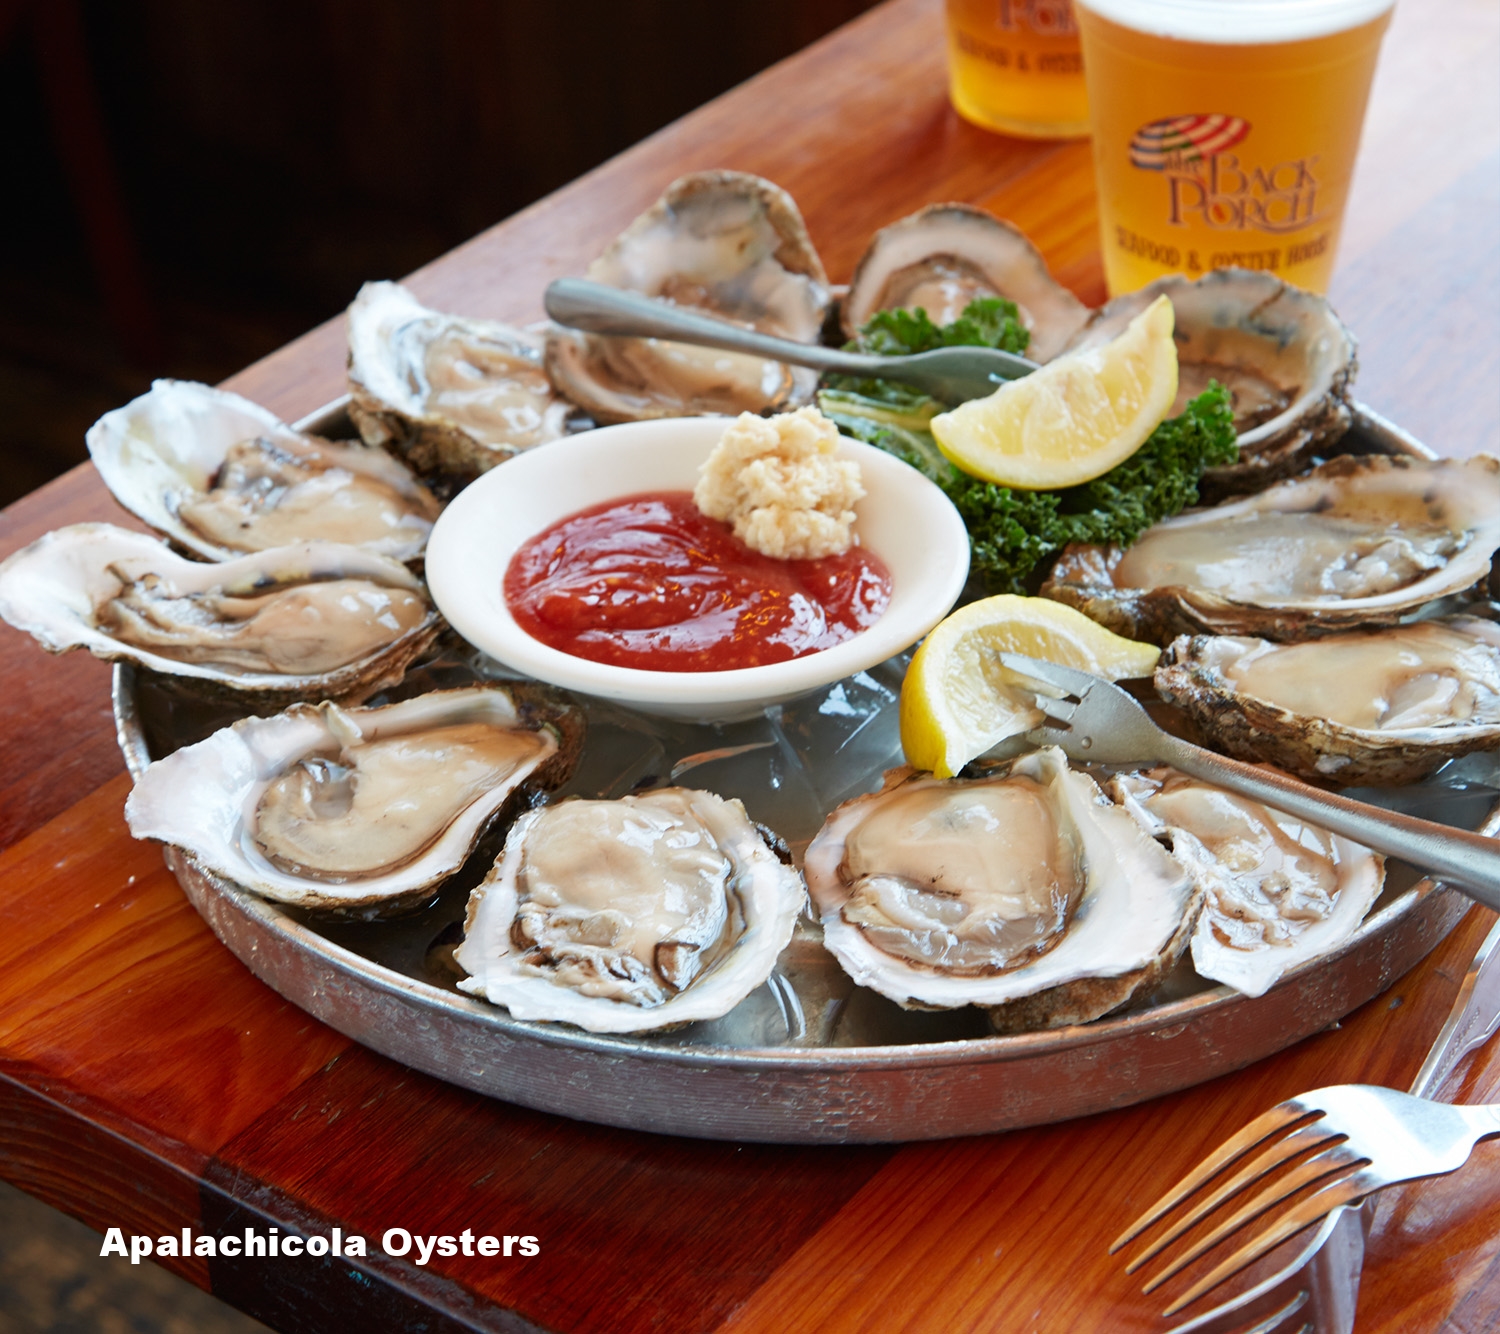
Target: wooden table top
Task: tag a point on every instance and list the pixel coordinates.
(149, 1082)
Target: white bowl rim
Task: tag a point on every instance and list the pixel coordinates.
(465, 564)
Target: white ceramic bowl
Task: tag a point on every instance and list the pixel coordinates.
(904, 519)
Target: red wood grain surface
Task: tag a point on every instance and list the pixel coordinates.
(148, 1081)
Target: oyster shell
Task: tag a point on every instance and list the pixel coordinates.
(1385, 707)
(1027, 891)
(1278, 891)
(1285, 357)
(221, 476)
(945, 256)
(724, 242)
(450, 396)
(623, 916)
(317, 620)
(360, 810)
(1357, 541)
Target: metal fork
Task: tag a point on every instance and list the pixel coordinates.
(1321, 1283)
(949, 374)
(1098, 722)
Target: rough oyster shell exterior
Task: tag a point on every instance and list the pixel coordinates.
(391, 398)
(203, 797)
(1465, 493)
(1256, 926)
(163, 449)
(726, 242)
(1130, 925)
(963, 248)
(1310, 746)
(54, 588)
(765, 895)
(1283, 353)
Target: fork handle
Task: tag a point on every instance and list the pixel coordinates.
(1472, 1021)
(597, 308)
(1469, 862)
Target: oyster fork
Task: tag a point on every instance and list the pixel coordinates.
(1322, 1280)
(949, 374)
(1096, 721)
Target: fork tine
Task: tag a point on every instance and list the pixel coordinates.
(1289, 1290)
(1059, 710)
(1310, 1136)
(1064, 678)
(1330, 1162)
(1231, 1150)
(1347, 1190)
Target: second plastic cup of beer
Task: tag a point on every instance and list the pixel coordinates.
(1014, 67)
(1225, 131)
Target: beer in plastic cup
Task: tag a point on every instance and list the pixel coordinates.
(1014, 66)
(1225, 131)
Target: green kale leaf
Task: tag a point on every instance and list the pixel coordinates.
(1012, 532)
(989, 321)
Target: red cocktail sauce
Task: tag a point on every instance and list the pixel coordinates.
(649, 582)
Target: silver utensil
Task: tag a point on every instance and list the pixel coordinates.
(1366, 1137)
(1098, 722)
(1319, 1287)
(949, 374)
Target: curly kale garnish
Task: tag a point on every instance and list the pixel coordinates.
(1012, 532)
(991, 321)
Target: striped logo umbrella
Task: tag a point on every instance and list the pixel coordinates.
(1185, 139)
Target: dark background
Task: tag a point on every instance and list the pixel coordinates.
(246, 165)
(270, 156)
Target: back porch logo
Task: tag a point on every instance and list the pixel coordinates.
(1210, 186)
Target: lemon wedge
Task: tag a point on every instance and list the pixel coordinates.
(1076, 417)
(957, 700)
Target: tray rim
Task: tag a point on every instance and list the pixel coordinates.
(264, 923)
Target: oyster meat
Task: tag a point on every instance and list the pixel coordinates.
(1285, 357)
(358, 810)
(723, 242)
(221, 476)
(1385, 707)
(623, 916)
(1278, 892)
(1027, 892)
(1357, 541)
(450, 396)
(314, 620)
(944, 257)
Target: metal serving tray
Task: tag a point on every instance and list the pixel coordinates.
(809, 1057)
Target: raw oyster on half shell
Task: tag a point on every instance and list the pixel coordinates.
(1357, 541)
(451, 396)
(221, 476)
(629, 915)
(1027, 892)
(1383, 707)
(1279, 892)
(317, 620)
(724, 242)
(946, 256)
(360, 810)
(1285, 357)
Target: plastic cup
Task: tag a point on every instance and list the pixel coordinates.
(1014, 67)
(1225, 131)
